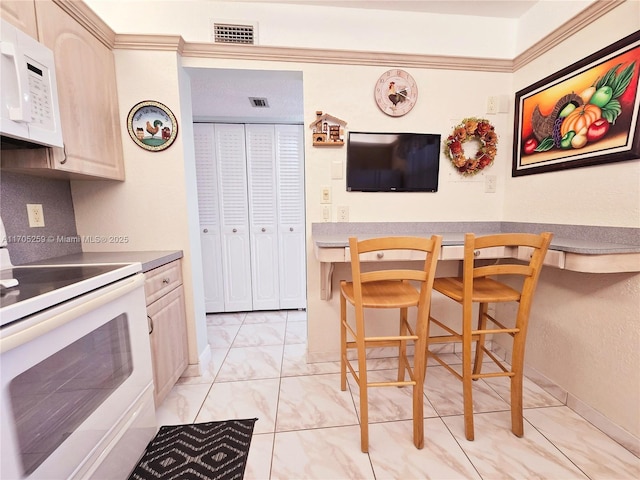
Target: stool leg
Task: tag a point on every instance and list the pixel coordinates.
(343, 343)
(402, 347)
(482, 325)
(418, 393)
(467, 390)
(364, 403)
(517, 361)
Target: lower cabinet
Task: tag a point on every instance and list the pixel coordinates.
(167, 326)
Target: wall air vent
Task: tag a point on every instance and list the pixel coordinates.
(227, 32)
(259, 102)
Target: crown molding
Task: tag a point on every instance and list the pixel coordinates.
(174, 43)
(566, 30)
(343, 57)
(84, 15)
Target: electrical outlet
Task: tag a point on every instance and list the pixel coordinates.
(490, 182)
(326, 194)
(492, 104)
(36, 217)
(343, 214)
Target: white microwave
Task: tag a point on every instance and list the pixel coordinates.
(29, 110)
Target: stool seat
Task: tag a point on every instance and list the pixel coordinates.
(484, 290)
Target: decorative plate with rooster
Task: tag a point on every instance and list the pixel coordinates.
(152, 125)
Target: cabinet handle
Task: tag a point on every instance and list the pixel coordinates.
(166, 280)
(150, 324)
(234, 230)
(206, 230)
(476, 253)
(380, 254)
(264, 229)
(64, 150)
(291, 229)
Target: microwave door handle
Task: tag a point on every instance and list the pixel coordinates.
(21, 113)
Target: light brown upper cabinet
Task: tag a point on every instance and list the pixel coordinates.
(88, 98)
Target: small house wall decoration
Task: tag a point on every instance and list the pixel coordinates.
(328, 131)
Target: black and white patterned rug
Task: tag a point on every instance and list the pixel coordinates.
(213, 450)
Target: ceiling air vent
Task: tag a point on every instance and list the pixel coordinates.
(259, 102)
(234, 33)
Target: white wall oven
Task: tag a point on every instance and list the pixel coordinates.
(76, 380)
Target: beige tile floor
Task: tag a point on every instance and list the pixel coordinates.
(308, 429)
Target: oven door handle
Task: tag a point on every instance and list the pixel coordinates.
(29, 333)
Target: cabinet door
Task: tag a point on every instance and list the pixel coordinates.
(168, 339)
(231, 160)
(290, 185)
(208, 207)
(22, 14)
(263, 214)
(88, 98)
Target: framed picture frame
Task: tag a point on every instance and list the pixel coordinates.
(585, 114)
(152, 125)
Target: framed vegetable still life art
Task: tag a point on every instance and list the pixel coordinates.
(585, 114)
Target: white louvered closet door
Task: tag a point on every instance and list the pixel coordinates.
(208, 206)
(290, 185)
(263, 215)
(232, 187)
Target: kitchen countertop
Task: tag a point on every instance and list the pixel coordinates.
(579, 239)
(578, 248)
(148, 259)
(563, 244)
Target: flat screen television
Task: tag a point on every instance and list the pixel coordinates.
(392, 162)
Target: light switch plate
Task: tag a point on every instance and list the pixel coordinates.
(326, 213)
(490, 182)
(326, 194)
(336, 170)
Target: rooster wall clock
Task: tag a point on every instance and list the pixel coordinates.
(152, 126)
(396, 92)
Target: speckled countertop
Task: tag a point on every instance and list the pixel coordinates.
(585, 240)
(148, 259)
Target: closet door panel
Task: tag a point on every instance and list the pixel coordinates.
(209, 213)
(231, 159)
(291, 226)
(263, 216)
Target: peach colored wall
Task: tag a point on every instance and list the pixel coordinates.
(585, 328)
(568, 303)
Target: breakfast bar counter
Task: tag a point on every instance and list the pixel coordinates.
(579, 248)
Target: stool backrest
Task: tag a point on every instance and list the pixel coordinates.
(534, 246)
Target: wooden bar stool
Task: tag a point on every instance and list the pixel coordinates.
(476, 286)
(389, 288)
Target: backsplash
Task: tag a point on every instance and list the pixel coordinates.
(57, 237)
